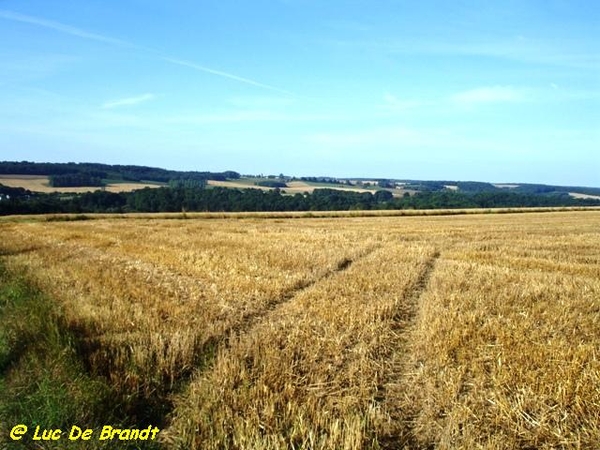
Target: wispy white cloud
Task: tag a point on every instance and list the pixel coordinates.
(560, 53)
(245, 116)
(441, 142)
(490, 94)
(386, 137)
(220, 73)
(57, 26)
(261, 101)
(34, 66)
(84, 34)
(128, 101)
(498, 95)
(395, 104)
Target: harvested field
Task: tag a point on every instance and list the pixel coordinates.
(300, 187)
(41, 183)
(579, 195)
(474, 331)
(293, 187)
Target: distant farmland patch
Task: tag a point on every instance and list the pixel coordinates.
(506, 186)
(41, 183)
(588, 196)
(300, 187)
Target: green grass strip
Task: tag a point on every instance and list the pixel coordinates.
(43, 382)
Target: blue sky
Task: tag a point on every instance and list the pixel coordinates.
(500, 91)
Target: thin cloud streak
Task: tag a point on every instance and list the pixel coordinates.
(529, 51)
(128, 101)
(57, 26)
(246, 116)
(468, 98)
(491, 94)
(395, 104)
(73, 31)
(220, 73)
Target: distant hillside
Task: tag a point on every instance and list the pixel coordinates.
(97, 174)
(478, 187)
(94, 174)
(43, 183)
(466, 187)
(175, 191)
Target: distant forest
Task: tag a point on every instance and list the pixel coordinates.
(92, 174)
(217, 199)
(188, 191)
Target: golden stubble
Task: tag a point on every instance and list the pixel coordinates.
(477, 331)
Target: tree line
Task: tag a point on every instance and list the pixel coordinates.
(187, 197)
(81, 174)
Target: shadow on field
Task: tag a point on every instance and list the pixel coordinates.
(43, 380)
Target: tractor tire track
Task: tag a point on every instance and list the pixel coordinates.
(93, 343)
(207, 349)
(399, 434)
(251, 320)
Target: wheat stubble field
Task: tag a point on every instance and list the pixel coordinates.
(475, 331)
